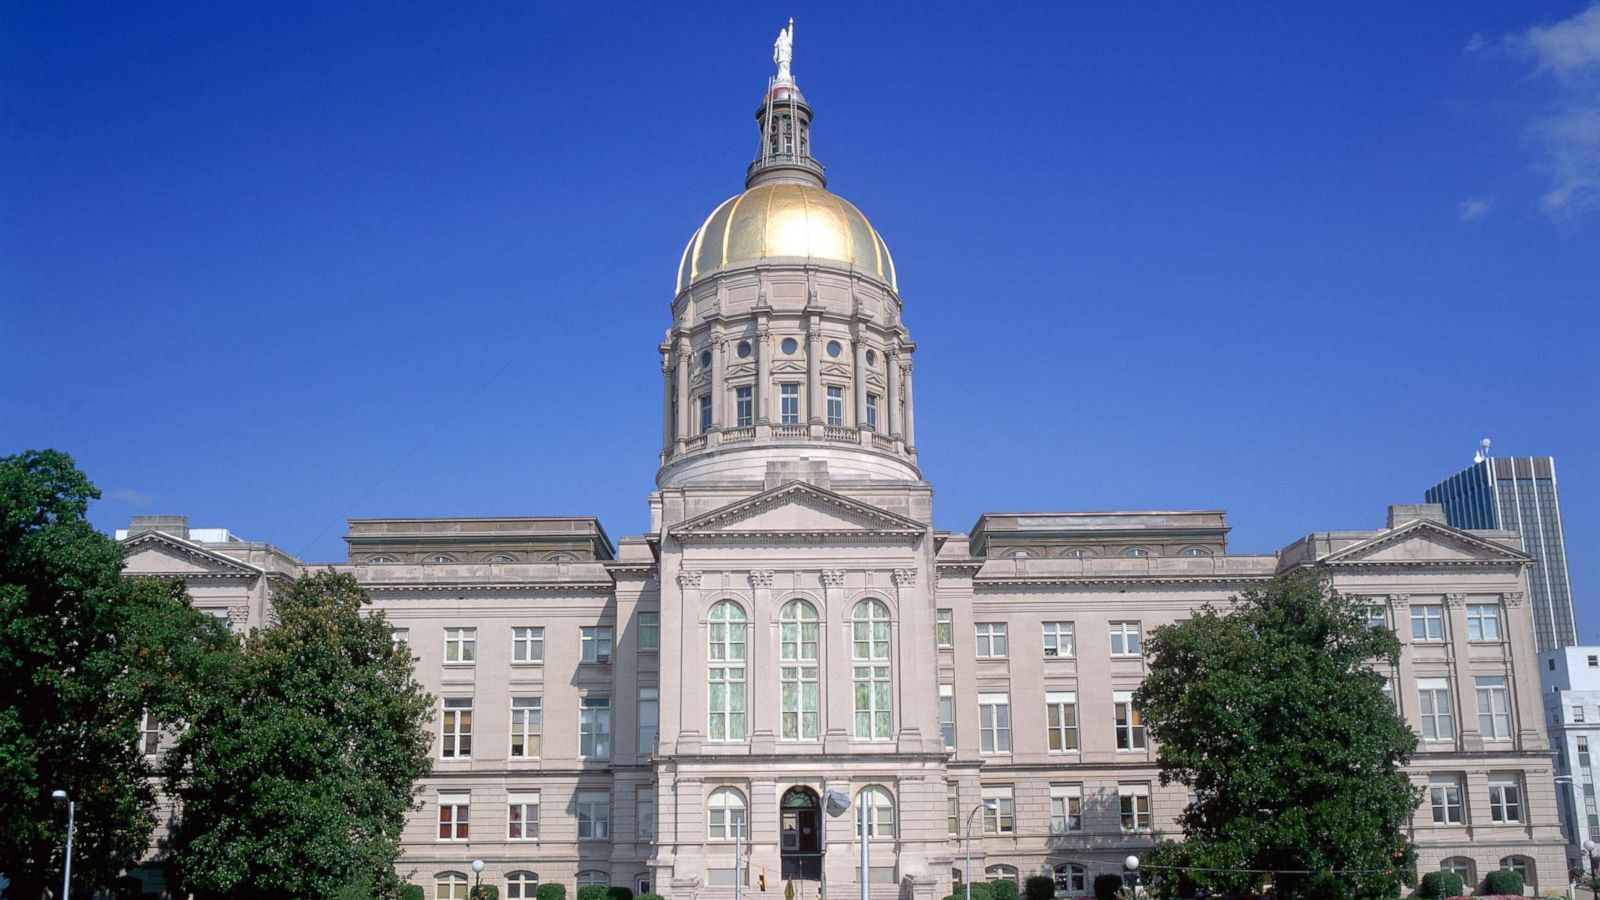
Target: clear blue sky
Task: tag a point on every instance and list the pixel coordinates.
(273, 264)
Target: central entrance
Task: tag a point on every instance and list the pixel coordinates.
(800, 831)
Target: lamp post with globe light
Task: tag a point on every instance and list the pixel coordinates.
(477, 876)
(966, 873)
(66, 875)
(1132, 865)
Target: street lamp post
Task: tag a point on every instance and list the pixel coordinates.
(477, 875)
(966, 873)
(66, 875)
(1593, 850)
(1132, 865)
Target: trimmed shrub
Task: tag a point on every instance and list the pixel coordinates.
(1502, 881)
(649, 897)
(412, 892)
(552, 890)
(619, 893)
(1429, 887)
(1107, 886)
(1039, 887)
(1003, 888)
(592, 892)
(980, 891)
(484, 892)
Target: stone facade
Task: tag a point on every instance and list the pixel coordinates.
(793, 624)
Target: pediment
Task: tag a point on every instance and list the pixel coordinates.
(157, 553)
(798, 511)
(788, 367)
(1426, 543)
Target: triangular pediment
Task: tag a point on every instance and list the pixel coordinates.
(798, 511)
(158, 553)
(1426, 543)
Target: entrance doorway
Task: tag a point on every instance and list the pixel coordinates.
(800, 833)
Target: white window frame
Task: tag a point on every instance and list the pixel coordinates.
(1061, 722)
(1447, 799)
(596, 644)
(1505, 798)
(991, 640)
(527, 724)
(1128, 722)
(944, 628)
(460, 646)
(726, 807)
(879, 804)
(727, 702)
(789, 403)
(450, 886)
(799, 687)
(594, 728)
(649, 632)
(527, 644)
(947, 715)
(994, 723)
(1066, 808)
(871, 653)
(649, 719)
(455, 728)
(1494, 707)
(835, 410)
(594, 815)
(1483, 622)
(1427, 622)
(1435, 710)
(999, 809)
(703, 404)
(1060, 640)
(522, 814)
(1133, 805)
(744, 414)
(644, 811)
(1126, 639)
(872, 411)
(455, 814)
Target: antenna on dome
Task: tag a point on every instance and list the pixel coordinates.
(1482, 452)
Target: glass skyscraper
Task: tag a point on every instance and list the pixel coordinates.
(1518, 493)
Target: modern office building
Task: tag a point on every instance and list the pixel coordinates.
(1518, 493)
(792, 624)
(1572, 713)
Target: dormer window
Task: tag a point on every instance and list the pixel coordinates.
(1136, 552)
(381, 561)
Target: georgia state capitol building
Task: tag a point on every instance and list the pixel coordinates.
(792, 623)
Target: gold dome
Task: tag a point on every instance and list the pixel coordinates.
(786, 219)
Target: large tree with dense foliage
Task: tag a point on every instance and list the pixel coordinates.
(1270, 711)
(296, 774)
(84, 653)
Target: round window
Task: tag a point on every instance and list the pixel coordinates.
(744, 349)
(834, 349)
(872, 358)
(789, 345)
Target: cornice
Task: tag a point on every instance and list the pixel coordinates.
(1080, 580)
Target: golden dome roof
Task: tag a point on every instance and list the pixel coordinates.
(786, 219)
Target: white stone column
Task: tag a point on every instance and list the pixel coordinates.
(684, 411)
(763, 351)
(666, 401)
(911, 409)
(892, 371)
(861, 379)
(814, 372)
(718, 400)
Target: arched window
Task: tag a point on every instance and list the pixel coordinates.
(1019, 554)
(1197, 551)
(441, 558)
(1520, 865)
(380, 560)
(870, 653)
(522, 886)
(1076, 553)
(559, 557)
(1008, 872)
(725, 684)
(879, 805)
(593, 876)
(450, 886)
(724, 811)
(797, 650)
(1136, 552)
(1462, 866)
(1071, 879)
(502, 558)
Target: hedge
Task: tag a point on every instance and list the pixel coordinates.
(1107, 886)
(484, 892)
(412, 892)
(1503, 881)
(1429, 887)
(1003, 888)
(619, 893)
(980, 891)
(1039, 887)
(592, 892)
(552, 890)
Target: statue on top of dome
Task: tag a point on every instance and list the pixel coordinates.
(783, 52)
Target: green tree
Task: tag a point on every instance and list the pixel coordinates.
(297, 773)
(84, 653)
(1273, 716)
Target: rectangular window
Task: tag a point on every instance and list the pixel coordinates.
(594, 728)
(649, 719)
(1377, 617)
(991, 640)
(1505, 797)
(1133, 800)
(527, 645)
(399, 636)
(1388, 689)
(952, 816)
(999, 810)
(1427, 622)
(149, 734)
(644, 806)
(522, 816)
(944, 632)
(1494, 708)
(947, 715)
(872, 411)
(460, 645)
(1483, 623)
(744, 407)
(649, 632)
(836, 406)
(454, 811)
(1438, 719)
(455, 728)
(869, 651)
(1058, 639)
(705, 413)
(1061, 721)
(994, 723)
(789, 404)
(526, 726)
(597, 644)
(1130, 725)
(594, 815)
(1444, 795)
(1577, 714)
(1125, 639)
(1066, 808)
